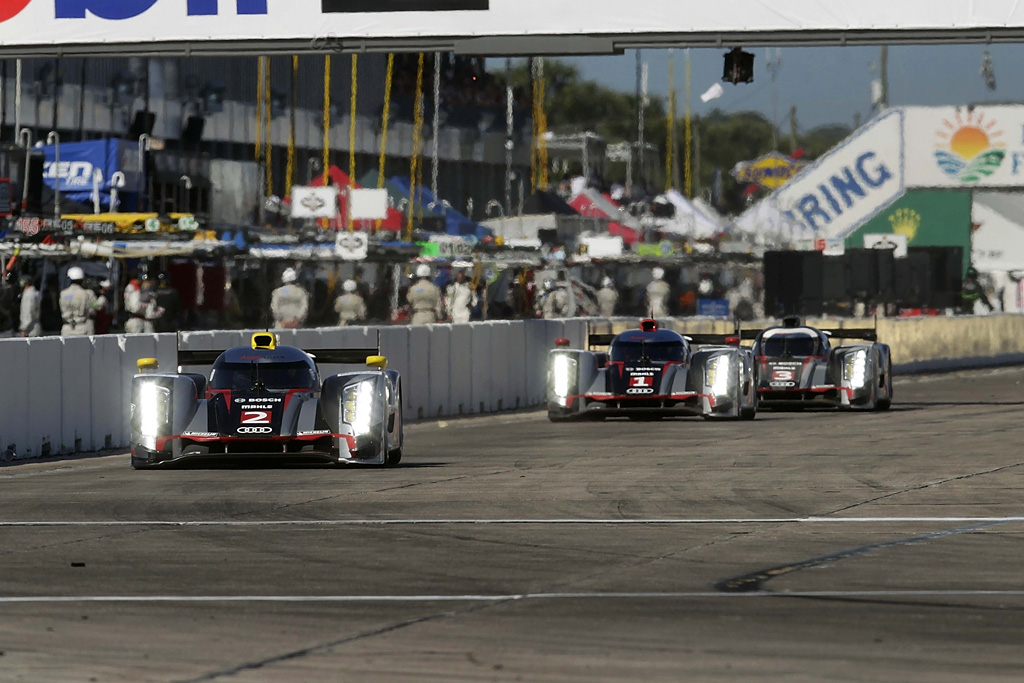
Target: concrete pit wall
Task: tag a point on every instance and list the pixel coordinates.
(71, 395)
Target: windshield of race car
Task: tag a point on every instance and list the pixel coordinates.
(655, 352)
(270, 376)
(784, 345)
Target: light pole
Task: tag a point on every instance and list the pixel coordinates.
(25, 138)
(117, 181)
(54, 139)
(97, 179)
(144, 146)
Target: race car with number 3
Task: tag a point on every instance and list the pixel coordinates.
(268, 400)
(650, 373)
(798, 367)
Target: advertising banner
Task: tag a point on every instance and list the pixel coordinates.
(852, 183)
(323, 24)
(314, 202)
(965, 147)
(80, 160)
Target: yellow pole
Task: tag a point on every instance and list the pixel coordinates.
(290, 173)
(268, 149)
(542, 148)
(688, 161)
(416, 126)
(327, 121)
(384, 123)
(670, 143)
(260, 81)
(352, 139)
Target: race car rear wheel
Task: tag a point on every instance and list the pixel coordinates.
(393, 458)
(748, 413)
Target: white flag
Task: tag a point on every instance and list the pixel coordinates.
(713, 93)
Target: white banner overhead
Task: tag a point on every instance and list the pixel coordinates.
(848, 186)
(487, 26)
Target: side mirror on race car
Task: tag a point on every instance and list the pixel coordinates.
(147, 364)
(379, 362)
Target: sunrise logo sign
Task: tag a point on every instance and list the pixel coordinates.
(970, 149)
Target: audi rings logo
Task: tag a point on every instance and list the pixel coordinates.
(254, 430)
(11, 8)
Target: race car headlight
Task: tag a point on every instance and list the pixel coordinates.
(154, 404)
(358, 406)
(855, 368)
(563, 375)
(718, 373)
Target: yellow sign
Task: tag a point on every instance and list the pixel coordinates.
(771, 171)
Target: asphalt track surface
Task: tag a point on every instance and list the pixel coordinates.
(799, 547)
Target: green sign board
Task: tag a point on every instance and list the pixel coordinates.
(929, 218)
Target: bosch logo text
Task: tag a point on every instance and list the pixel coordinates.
(118, 10)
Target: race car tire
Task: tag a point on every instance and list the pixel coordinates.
(883, 404)
(748, 413)
(140, 464)
(393, 458)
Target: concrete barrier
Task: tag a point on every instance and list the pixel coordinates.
(72, 394)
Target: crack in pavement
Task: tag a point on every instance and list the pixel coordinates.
(754, 581)
(324, 647)
(919, 487)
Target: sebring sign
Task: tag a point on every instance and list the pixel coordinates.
(495, 26)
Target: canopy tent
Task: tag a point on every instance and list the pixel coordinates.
(592, 203)
(455, 222)
(689, 220)
(394, 221)
(998, 242)
(769, 225)
(541, 202)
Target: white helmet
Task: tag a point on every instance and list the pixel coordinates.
(607, 282)
(76, 274)
(705, 287)
(658, 273)
(289, 275)
(423, 270)
(105, 283)
(349, 286)
(549, 284)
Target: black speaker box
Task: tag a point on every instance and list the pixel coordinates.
(142, 123)
(793, 283)
(192, 131)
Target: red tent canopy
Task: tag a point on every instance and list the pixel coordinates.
(395, 220)
(585, 206)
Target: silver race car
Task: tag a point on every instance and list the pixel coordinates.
(797, 367)
(268, 400)
(650, 373)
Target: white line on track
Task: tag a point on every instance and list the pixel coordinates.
(515, 521)
(36, 599)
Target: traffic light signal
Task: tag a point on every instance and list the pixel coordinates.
(739, 66)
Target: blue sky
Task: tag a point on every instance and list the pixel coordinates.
(827, 85)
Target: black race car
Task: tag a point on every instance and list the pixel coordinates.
(268, 400)
(651, 372)
(797, 366)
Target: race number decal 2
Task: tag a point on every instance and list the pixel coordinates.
(255, 417)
